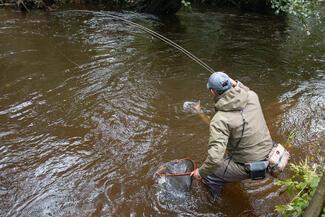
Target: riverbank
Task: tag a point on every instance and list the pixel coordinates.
(305, 11)
(157, 7)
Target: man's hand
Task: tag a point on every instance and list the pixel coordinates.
(197, 107)
(195, 174)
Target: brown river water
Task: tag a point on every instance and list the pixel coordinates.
(90, 107)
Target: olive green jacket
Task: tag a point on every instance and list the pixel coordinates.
(226, 130)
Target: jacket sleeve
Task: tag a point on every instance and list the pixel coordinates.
(218, 140)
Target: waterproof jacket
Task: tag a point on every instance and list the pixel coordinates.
(226, 129)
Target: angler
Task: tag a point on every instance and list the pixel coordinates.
(238, 126)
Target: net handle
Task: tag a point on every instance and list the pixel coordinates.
(175, 174)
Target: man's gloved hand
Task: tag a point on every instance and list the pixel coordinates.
(195, 174)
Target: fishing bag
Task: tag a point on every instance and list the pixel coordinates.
(278, 158)
(257, 170)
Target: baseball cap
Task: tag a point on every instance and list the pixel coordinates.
(219, 81)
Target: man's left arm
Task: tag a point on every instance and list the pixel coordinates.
(218, 140)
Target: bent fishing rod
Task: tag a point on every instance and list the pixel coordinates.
(156, 35)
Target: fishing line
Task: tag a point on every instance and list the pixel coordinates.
(65, 57)
(157, 35)
(59, 51)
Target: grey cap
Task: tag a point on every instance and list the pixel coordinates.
(219, 82)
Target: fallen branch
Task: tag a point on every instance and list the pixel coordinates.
(318, 200)
(21, 2)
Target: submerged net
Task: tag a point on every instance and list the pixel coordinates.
(174, 179)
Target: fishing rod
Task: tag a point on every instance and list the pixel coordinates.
(157, 35)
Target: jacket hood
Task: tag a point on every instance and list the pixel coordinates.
(234, 99)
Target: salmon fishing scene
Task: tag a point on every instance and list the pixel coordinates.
(171, 108)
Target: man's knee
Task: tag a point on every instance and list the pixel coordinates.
(215, 186)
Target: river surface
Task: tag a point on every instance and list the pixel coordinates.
(90, 107)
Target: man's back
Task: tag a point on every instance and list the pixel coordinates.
(235, 106)
(256, 142)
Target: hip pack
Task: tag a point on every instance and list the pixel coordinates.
(278, 159)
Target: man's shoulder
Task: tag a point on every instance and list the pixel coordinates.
(251, 92)
(220, 116)
(253, 97)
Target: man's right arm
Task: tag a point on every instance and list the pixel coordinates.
(204, 117)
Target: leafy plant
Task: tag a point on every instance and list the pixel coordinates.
(186, 4)
(290, 139)
(302, 9)
(302, 184)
